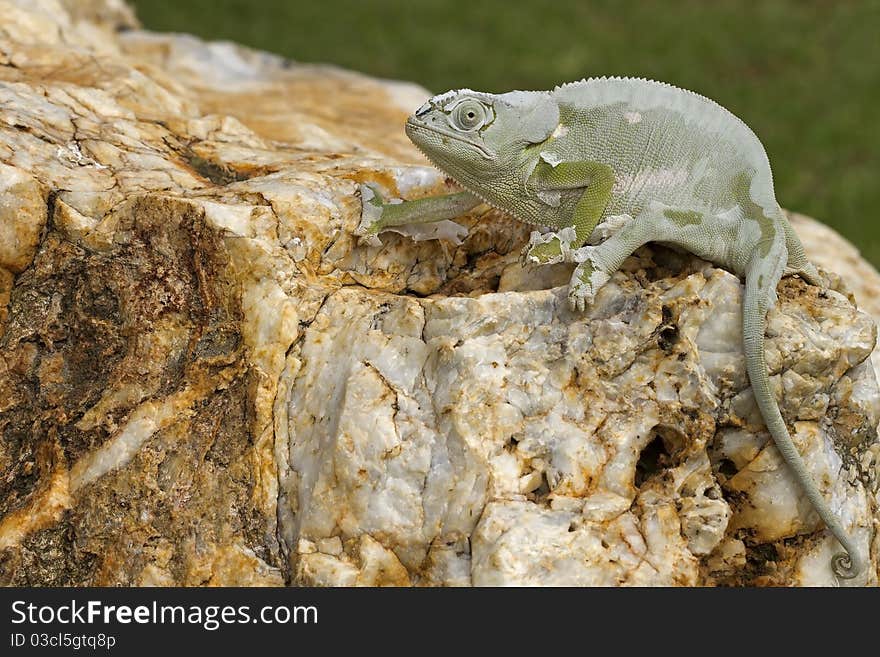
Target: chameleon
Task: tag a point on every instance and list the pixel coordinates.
(610, 164)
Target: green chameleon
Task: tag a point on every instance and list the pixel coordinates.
(627, 161)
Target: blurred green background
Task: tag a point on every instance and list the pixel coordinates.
(804, 74)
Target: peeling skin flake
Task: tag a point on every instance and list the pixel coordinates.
(560, 131)
(552, 159)
(439, 230)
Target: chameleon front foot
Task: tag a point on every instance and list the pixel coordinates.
(585, 281)
(549, 248)
(370, 224)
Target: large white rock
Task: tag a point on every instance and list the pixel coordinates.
(501, 439)
(204, 379)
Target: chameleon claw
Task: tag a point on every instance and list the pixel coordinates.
(579, 296)
(526, 259)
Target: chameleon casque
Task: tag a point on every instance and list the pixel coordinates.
(627, 161)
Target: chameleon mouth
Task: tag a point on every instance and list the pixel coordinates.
(413, 124)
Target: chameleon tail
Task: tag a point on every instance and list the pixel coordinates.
(762, 275)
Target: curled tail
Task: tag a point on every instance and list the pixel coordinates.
(762, 275)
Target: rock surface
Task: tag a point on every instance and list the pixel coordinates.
(204, 379)
(833, 253)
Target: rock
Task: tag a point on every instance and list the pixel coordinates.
(832, 252)
(204, 379)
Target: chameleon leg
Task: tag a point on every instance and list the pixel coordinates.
(797, 258)
(377, 215)
(594, 181)
(699, 234)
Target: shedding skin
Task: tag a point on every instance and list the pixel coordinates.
(631, 161)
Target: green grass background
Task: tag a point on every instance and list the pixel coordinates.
(804, 74)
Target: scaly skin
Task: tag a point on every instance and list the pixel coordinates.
(664, 164)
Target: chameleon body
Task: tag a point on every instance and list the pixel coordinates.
(631, 161)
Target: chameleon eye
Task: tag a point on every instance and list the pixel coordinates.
(469, 115)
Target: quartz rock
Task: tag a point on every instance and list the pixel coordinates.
(205, 379)
(832, 252)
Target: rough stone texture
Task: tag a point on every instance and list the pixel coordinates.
(204, 379)
(832, 252)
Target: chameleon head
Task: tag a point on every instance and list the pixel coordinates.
(472, 135)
